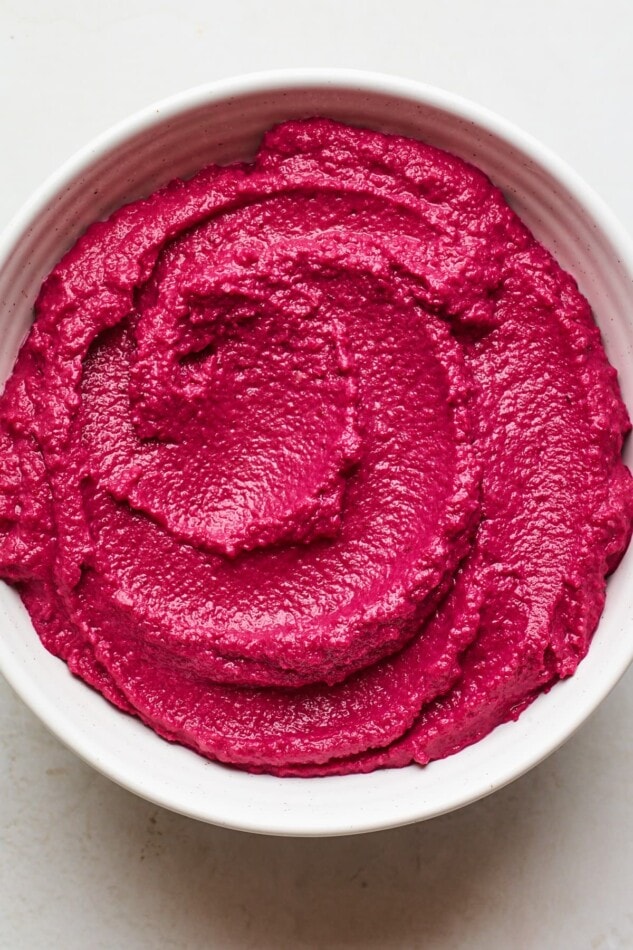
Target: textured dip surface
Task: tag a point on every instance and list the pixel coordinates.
(313, 464)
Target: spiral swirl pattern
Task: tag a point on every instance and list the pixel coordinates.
(314, 463)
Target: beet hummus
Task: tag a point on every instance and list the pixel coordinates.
(313, 464)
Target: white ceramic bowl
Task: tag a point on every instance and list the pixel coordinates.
(222, 122)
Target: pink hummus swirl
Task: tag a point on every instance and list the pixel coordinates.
(313, 464)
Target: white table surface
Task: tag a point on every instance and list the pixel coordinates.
(546, 863)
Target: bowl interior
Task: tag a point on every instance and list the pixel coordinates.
(223, 123)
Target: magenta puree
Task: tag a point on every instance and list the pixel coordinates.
(313, 464)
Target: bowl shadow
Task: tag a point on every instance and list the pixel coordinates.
(506, 871)
(430, 883)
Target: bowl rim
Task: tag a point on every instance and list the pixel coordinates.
(275, 81)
